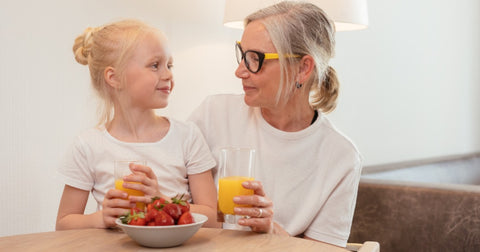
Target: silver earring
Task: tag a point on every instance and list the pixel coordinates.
(298, 85)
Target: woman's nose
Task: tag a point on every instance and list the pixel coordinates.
(242, 71)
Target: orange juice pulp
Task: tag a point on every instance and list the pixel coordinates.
(229, 187)
(131, 192)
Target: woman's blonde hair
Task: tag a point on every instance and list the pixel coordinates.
(304, 29)
(110, 45)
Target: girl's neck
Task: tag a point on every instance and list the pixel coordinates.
(138, 127)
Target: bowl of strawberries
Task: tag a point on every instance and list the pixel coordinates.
(162, 223)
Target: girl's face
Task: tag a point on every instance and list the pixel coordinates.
(261, 87)
(148, 74)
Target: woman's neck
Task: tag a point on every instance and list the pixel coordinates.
(137, 126)
(290, 117)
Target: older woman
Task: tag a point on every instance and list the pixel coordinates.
(307, 172)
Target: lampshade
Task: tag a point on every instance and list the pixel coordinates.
(347, 14)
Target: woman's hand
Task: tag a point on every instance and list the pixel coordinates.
(261, 212)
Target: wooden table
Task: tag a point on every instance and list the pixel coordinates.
(206, 239)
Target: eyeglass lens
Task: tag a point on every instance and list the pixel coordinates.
(252, 60)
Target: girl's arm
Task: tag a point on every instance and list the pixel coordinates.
(70, 212)
(204, 195)
(72, 206)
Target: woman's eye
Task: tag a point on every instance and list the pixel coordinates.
(169, 66)
(155, 65)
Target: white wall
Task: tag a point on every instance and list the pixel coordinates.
(410, 84)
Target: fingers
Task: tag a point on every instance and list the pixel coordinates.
(116, 199)
(256, 186)
(254, 212)
(144, 178)
(261, 211)
(115, 204)
(137, 168)
(261, 225)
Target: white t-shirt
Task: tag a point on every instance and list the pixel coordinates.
(182, 151)
(311, 175)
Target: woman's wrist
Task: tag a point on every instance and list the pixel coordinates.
(278, 230)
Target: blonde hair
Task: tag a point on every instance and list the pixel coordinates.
(109, 45)
(302, 28)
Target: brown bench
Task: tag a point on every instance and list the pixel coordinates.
(418, 216)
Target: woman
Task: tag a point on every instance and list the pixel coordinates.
(307, 172)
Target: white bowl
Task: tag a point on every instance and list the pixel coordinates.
(163, 236)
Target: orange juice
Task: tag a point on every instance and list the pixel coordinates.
(131, 192)
(229, 187)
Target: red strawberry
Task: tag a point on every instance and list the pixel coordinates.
(138, 221)
(173, 210)
(151, 214)
(163, 219)
(158, 203)
(134, 217)
(186, 218)
(183, 204)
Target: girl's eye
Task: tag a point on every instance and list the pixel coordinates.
(169, 66)
(155, 65)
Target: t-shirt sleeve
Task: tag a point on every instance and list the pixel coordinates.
(199, 157)
(74, 170)
(333, 223)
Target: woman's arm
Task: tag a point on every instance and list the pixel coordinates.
(204, 195)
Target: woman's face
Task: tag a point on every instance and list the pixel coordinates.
(261, 87)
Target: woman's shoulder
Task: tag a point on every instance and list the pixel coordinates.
(337, 139)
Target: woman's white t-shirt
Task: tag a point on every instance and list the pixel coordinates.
(90, 162)
(311, 175)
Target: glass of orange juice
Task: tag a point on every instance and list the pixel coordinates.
(122, 169)
(236, 165)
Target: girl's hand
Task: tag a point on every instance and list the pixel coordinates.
(114, 204)
(261, 212)
(146, 182)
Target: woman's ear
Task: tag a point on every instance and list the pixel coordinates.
(111, 77)
(305, 69)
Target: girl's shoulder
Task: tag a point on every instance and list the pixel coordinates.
(94, 133)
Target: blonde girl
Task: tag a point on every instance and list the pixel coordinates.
(131, 71)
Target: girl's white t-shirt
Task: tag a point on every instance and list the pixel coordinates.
(89, 164)
(311, 175)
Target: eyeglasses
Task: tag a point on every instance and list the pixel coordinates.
(253, 59)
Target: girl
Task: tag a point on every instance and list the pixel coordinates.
(131, 70)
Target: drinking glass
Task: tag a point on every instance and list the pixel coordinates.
(122, 169)
(236, 165)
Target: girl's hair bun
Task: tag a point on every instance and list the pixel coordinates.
(83, 44)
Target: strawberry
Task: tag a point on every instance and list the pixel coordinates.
(163, 219)
(173, 210)
(138, 222)
(186, 218)
(151, 214)
(183, 204)
(158, 203)
(134, 217)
